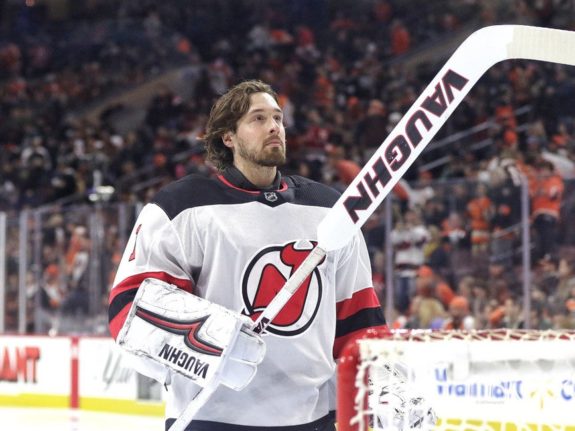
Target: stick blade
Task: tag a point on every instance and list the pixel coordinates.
(542, 44)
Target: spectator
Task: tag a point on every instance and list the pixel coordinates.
(425, 308)
(52, 293)
(453, 228)
(408, 239)
(77, 258)
(459, 315)
(434, 212)
(539, 318)
(343, 169)
(505, 192)
(371, 130)
(512, 317)
(441, 289)
(547, 195)
(400, 38)
(480, 213)
(547, 275)
(478, 303)
(566, 278)
(439, 260)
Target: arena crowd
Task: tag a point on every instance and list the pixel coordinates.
(345, 73)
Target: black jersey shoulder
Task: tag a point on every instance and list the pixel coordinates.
(192, 191)
(196, 190)
(309, 192)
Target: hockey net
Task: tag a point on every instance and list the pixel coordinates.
(497, 380)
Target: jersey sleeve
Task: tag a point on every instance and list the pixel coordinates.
(358, 306)
(154, 250)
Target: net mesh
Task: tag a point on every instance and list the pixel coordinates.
(459, 380)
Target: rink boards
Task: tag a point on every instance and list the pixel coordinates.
(72, 372)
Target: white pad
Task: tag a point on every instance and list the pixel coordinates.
(398, 407)
(192, 336)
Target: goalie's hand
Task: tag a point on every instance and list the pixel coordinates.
(191, 336)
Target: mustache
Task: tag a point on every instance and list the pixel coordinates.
(275, 138)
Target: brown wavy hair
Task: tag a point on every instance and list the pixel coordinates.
(224, 117)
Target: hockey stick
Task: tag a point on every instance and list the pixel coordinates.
(469, 62)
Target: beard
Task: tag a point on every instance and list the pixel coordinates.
(267, 156)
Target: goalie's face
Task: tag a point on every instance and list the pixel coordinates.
(259, 139)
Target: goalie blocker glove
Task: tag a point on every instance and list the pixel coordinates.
(191, 336)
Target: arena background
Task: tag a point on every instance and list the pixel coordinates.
(103, 102)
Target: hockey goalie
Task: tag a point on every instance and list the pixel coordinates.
(205, 258)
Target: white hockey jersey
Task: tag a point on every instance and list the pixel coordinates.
(233, 244)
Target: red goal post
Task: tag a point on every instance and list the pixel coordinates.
(500, 380)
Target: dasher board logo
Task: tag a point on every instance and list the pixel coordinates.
(266, 274)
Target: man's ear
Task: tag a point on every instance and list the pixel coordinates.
(227, 139)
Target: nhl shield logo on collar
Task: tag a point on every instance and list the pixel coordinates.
(270, 196)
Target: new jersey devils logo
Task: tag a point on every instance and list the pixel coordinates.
(266, 274)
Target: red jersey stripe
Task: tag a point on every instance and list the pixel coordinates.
(137, 279)
(361, 299)
(117, 322)
(283, 186)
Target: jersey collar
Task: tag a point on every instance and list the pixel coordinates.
(233, 177)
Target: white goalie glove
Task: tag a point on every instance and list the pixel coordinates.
(399, 407)
(191, 336)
